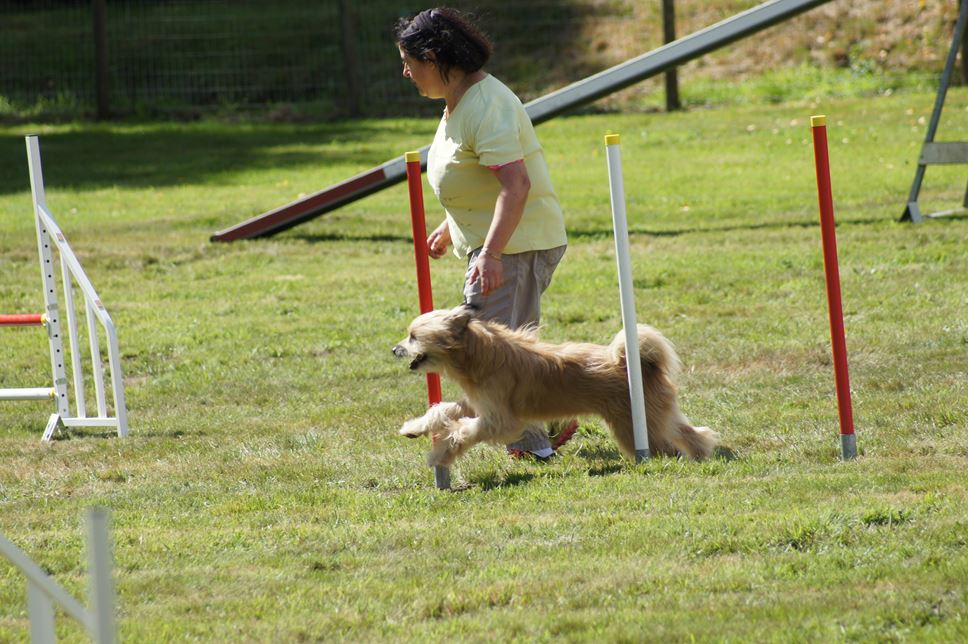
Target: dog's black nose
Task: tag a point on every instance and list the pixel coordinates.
(399, 351)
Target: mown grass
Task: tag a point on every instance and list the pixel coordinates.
(263, 494)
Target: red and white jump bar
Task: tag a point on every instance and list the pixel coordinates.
(26, 393)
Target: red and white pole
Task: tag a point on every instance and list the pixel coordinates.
(421, 251)
(848, 440)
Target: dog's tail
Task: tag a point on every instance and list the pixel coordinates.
(655, 350)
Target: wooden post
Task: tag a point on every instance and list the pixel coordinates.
(964, 58)
(101, 71)
(351, 67)
(669, 35)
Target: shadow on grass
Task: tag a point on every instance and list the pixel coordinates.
(607, 233)
(173, 154)
(494, 480)
(74, 434)
(725, 453)
(323, 238)
(605, 470)
(610, 460)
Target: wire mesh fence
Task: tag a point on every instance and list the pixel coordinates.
(329, 58)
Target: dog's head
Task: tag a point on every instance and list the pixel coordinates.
(433, 336)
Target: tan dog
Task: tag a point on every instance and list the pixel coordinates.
(510, 379)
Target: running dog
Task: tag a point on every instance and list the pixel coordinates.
(510, 379)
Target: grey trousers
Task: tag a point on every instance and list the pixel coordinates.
(516, 304)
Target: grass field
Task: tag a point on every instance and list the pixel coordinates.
(263, 494)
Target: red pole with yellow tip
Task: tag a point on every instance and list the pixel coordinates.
(418, 225)
(848, 440)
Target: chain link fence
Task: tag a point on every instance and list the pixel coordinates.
(332, 58)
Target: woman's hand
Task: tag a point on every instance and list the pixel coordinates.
(489, 270)
(438, 241)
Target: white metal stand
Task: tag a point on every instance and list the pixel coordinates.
(50, 237)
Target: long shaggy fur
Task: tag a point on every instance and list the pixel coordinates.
(510, 379)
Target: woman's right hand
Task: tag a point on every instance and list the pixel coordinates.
(439, 240)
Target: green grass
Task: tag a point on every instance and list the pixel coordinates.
(263, 494)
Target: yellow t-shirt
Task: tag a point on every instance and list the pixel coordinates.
(490, 127)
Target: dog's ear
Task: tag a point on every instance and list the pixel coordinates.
(462, 315)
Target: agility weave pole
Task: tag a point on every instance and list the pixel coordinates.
(613, 153)
(848, 440)
(44, 594)
(418, 224)
(49, 237)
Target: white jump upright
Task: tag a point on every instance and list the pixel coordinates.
(49, 237)
(44, 594)
(627, 295)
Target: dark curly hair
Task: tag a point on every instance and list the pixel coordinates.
(445, 36)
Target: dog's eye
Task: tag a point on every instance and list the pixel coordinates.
(412, 337)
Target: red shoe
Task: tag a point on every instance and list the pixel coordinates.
(564, 435)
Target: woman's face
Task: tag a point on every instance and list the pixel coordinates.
(424, 75)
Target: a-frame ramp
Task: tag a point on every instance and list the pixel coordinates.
(542, 109)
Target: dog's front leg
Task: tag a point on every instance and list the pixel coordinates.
(464, 433)
(458, 437)
(435, 421)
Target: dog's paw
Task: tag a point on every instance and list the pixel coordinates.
(414, 428)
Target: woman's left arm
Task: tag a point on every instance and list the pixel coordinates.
(515, 186)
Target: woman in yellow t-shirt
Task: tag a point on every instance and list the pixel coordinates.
(489, 173)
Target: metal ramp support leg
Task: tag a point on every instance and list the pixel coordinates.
(933, 153)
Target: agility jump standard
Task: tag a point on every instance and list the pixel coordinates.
(44, 594)
(848, 440)
(418, 224)
(49, 236)
(613, 153)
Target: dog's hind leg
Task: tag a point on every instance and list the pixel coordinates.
(697, 443)
(619, 421)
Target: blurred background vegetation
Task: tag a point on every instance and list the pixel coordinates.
(312, 60)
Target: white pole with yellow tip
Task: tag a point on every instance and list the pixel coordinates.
(627, 295)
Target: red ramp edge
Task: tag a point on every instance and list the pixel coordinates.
(318, 203)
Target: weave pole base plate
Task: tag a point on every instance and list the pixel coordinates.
(442, 477)
(641, 455)
(848, 446)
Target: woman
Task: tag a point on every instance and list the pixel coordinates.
(489, 173)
